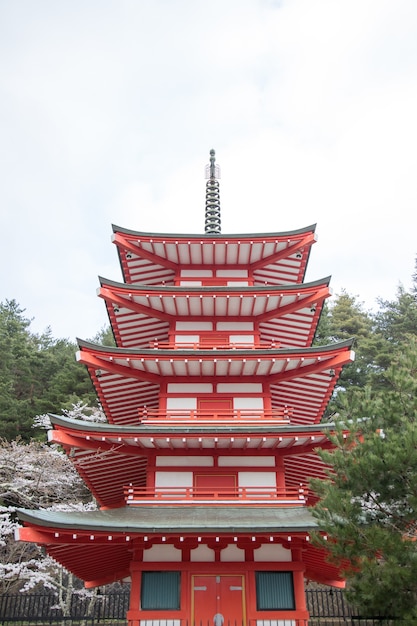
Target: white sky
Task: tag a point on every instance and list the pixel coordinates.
(109, 108)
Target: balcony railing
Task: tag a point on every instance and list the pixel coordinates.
(199, 418)
(272, 496)
(213, 345)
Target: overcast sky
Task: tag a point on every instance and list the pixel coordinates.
(109, 108)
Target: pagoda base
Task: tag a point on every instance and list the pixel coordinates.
(186, 622)
(217, 594)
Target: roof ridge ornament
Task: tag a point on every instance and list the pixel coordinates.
(212, 216)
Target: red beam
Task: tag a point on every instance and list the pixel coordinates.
(125, 243)
(306, 241)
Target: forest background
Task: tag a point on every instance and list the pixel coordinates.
(39, 375)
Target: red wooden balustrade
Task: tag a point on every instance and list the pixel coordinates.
(208, 345)
(243, 416)
(215, 281)
(273, 496)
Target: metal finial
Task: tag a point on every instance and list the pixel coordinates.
(212, 221)
(212, 170)
(212, 164)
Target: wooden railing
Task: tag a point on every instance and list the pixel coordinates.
(236, 416)
(216, 496)
(212, 345)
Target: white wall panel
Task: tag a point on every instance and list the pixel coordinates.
(232, 273)
(182, 403)
(271, 553)
(184, 461)
(190, 388)
(237, 283)
(162, 553)
(173, 479)
(248, 403)
(187, 338)
(242, 339)
(232, 554)
(234, 326)
(239, 388)
(192, 273)
(190, 283)
(194, 326)
(257, 479)
(246, 461)
(203, 554)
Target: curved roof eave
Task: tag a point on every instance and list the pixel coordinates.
(210, 289)
(175, 519)
(347, 343)
(143, 429)
(220, 237)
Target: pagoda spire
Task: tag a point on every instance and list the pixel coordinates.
(212, 216)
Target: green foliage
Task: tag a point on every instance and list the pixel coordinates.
(343, 319)
(398, 318)
(37, 374)
(104, 337)
(376, 336)
(349, 319)
(323, 332)
(368, 505)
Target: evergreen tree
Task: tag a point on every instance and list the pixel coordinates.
(104, 337)
(38, 374)
(397, 318)
(349, 319)
(343, 319)
(323, 332)
(19, 355)
(368, 505)
(414, 277)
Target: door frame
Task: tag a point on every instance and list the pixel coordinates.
(240, 575)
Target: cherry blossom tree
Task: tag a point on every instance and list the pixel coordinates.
(79, 410)
(38, 475)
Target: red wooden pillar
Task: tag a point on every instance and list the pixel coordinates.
(133, 614)
(298, 578)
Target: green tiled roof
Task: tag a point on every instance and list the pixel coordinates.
(173, 519)
(145, 429)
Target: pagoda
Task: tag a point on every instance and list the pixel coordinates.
(214, 398)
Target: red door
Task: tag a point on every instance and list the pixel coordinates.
(218, 600)
(221, 408)
(214, 340)
(215, 485)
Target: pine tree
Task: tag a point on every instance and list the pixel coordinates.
(349, 319)
(368, 506)
(344, 318)
(398, 318)
(38, 374)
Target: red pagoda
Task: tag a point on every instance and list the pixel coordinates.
(214, 398)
